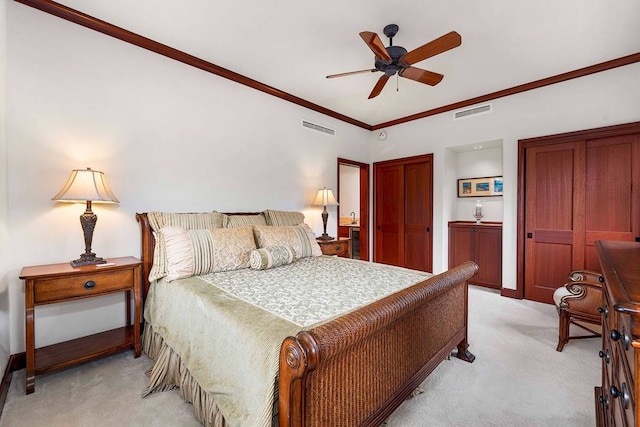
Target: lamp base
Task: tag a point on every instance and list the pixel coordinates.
(87, 259)
(325, 236)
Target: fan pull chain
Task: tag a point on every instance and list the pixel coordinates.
(397, 83)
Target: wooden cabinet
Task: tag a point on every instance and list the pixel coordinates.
(48, 284)
(340, 247)
(481, 244)
(615, 398)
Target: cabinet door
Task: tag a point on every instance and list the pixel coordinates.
(488, 255)
(461, 245)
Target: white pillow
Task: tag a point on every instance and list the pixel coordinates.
(196, 252)
(299, 237)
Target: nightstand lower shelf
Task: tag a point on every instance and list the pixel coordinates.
(79, 350)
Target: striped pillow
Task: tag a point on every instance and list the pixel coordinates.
(196, 252)
(244, 220)
(274, 256)
(188, 221)
(280, 218)
(299, 237)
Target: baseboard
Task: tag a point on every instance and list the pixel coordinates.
(510, 293)
(15, 362)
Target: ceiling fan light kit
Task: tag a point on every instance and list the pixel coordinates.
(393, 60)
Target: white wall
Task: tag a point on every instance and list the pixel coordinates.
(477, 164)
(168, 137)
(603, 99)
(349, 190)
(4, 244)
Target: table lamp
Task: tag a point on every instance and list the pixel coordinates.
(325, 198)
(86, 185)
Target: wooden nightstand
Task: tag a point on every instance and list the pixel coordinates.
(340, 246)
(49, 284)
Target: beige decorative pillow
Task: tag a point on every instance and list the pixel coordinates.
(273, 256)
(188, 221)
(299, 237)
(244, 220)
(280, 218)
(196, 252)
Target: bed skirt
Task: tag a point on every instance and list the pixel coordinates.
(168, 373)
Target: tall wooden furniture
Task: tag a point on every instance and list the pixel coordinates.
(480, 243)
(616, 397)
(575, 188)
(54, 283)
(403, 213)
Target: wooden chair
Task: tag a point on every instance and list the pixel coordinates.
(577, 303)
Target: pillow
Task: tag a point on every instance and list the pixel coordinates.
(299, 237)
(273, 256)
(244, 220)
(188, 221)
(203, 251)
(279, 218)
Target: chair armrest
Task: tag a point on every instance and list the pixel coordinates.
(584, 297)
(586, 276)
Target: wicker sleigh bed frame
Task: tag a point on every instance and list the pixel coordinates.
(358, 368)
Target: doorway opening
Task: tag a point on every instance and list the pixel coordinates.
(353, 211)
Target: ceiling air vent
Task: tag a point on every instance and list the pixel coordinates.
(319, 128)
(462, 114)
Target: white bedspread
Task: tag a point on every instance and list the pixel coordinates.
(227, 327)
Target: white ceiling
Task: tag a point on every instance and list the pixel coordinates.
(292, 45)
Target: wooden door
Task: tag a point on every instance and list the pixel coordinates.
(403, 212)
(389, 208)
(552, 173)
(612, 193)
(576, 190)
(417, 216)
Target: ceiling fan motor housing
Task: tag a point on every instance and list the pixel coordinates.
(390, 68)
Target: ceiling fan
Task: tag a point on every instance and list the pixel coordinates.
(395, 59)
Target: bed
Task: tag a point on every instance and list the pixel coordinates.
(347, 369)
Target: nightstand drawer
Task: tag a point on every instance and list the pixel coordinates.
(335, 247)
(80, 286)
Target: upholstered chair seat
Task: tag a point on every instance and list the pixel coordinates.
(577, 303)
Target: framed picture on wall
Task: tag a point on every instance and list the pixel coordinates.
(480, 187)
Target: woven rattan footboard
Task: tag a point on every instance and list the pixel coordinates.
(356, 369)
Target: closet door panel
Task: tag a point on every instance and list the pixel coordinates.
(417, 216)
(389, 213)
(550, 177)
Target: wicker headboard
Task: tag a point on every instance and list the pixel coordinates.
(149, 243)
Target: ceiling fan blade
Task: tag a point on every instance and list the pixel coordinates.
(434, 47)
(375, 44)
(350, 73)
(423, 76)
(378, 87)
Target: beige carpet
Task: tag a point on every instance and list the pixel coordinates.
(517, 379)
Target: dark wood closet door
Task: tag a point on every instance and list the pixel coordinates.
(388, 211)
(551, 176)
(417, 216)
(403, 212)
(612, 193)
(576, 193)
